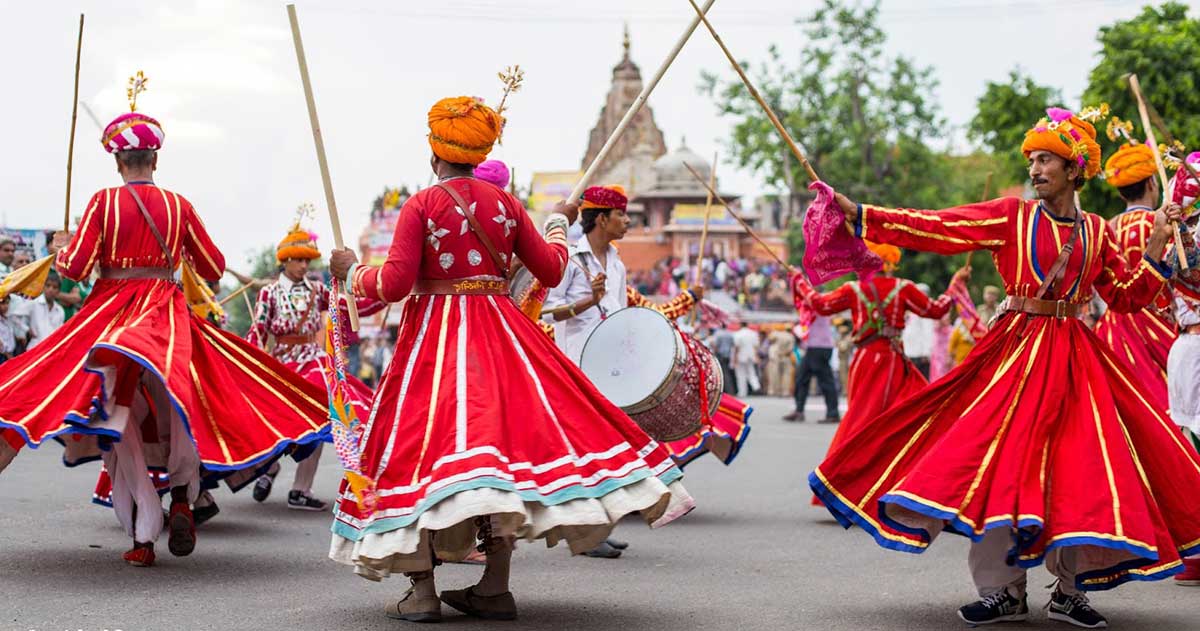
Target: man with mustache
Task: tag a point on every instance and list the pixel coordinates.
(1034, 447)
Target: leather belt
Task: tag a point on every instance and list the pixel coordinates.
(462, 286)
(296, 340)
(1035, 306)
(142, 273)
(886, 333)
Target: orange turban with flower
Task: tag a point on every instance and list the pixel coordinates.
(463, 130)
(889, 253)
(1068, 136)
(298, 244)
(1129, 165)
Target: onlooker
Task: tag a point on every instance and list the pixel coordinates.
(991, 302)
(818, 352)
(745, 361)
(8, 341)
(918, 337)
(961, 342)
(780, 367)
(8, 249)
(45, 314)
(940, 361)
(845, 348)
(72, 294)
(723, 349)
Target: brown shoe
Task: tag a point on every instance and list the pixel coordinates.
(498, 607)
(414, 609)
(794, 416)
(830, 419)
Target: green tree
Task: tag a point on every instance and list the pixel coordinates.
(1003, 114)
(1162, 46)
(262, 264)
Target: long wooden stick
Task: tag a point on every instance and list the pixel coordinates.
(698, 279)
(237, 292)
(1162, 126)
(74, 115)
(320, 144)
(787, 138)
(1162, 171)
(636, 106)
(712, 185)
(735, 215)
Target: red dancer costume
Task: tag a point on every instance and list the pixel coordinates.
(136, 351)
(880, 373)
(578, 310)
(480, 424)
(290, 310)
(1141, 339)
(1040, 446)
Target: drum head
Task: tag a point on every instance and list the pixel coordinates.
(629, 355)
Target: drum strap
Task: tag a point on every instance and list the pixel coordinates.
(1059, 268)
(162, 243)
(476, 228)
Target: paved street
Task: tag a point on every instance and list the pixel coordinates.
(753, 555)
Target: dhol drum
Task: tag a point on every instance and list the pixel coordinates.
(525, 290)
(652, 371)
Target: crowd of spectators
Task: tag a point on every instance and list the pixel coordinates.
(755, 285)
(25, 322)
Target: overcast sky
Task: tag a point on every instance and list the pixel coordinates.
(224, 84)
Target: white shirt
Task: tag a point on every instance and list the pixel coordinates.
(745, 346)
(571, 334)
(44, 319)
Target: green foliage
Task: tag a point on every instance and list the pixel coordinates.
(1162, 46)
(1003, 114)
(262, 264)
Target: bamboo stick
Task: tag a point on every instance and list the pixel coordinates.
(1162, 171)
(1162, 126)
(237, 292)
(698, 279)
(302, 61)
(636, 106)
(738, 217)
(74, 115)
(787, 138)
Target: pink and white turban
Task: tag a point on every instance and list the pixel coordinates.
(132, 131)
(494, 172)
(1182, 189)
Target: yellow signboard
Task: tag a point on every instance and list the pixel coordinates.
(550, 187)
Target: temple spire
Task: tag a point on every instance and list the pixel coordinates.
(625, 42)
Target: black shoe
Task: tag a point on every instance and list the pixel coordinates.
(830, 419)
(603, 551)
(262, 487)
(1074, 609)
(204, 513)
(999, 607)
(617, 543)
(298, 500)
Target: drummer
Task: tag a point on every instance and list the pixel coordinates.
(594, 286)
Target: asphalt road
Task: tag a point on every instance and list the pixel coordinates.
(753, 555)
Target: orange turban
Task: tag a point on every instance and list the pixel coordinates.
(889, 253)
(1068, 136)
(1130, 164)
(298, 244)
(462, 130)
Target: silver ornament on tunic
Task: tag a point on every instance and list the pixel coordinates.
(474, 257)
(446, 260)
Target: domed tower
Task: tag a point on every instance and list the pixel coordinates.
(629, 161)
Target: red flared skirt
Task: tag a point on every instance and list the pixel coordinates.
(1041, 430)
(722, 436)
(241, 407)
(480, 414)
(1142, 340)
(880, 375)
